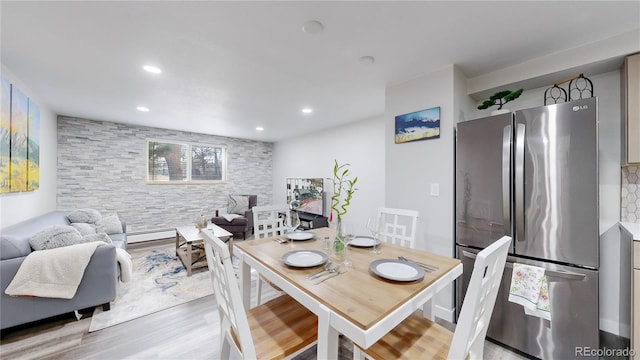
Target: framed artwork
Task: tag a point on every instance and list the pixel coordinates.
(19, 141)
(419, 125)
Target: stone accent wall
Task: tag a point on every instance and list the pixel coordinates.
(102, 165)
(630, 191)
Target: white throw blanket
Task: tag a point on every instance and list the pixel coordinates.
(54, 273)
(126, 265)
(230, 217)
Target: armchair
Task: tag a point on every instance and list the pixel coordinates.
(237, 217)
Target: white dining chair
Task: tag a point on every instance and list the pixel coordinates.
(268, 222)
(280, 328)
(420, 338)
(398, 226)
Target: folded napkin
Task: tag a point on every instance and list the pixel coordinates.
(529, 288)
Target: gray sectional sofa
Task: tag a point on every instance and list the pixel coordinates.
(98, 286)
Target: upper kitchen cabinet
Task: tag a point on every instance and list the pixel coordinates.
(631, 109)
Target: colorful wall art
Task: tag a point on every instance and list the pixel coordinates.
(419, 125)
(33, 148)
(5, 126)
(19, 141)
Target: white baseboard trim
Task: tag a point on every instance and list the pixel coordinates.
(134, 238)
(615, 328)
(444, 313)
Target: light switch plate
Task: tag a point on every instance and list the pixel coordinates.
(435, 189)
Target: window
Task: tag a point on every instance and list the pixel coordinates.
(172, 162)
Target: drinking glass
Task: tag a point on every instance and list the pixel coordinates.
(373, 225)
(292, 221)
(347, 233)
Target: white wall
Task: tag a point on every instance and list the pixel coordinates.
(15, 207)
(413, 167)
(360, 144)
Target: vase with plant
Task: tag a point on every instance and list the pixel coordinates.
(500, 99)
(343, 190)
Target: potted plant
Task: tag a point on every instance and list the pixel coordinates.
(343, 190)
(500, 99)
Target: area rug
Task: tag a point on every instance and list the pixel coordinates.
(159, 282)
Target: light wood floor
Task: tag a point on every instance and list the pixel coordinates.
(187, 331)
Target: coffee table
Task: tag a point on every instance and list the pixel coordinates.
(189, 245)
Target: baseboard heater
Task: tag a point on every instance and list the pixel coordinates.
(149, 235)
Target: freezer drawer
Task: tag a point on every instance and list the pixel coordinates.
(574, 311)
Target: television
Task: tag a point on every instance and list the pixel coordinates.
(306, 195)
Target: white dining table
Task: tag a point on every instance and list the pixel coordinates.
(359, 304)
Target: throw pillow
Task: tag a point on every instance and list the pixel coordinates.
(109, 224)
(55, 236)
(238, 204)
(97, 237)
(90, 216)
(84, 228)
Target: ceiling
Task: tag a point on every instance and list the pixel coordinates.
(229, 67)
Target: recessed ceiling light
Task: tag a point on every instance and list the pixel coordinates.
(259, 128)
(312, 27)
(367, 60)
(142, 108)
(307, 110)
(152, 69)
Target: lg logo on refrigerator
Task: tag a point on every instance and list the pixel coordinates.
(581, 107)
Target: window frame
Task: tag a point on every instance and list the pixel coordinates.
(189, 163)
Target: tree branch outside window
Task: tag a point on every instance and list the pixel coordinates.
(172, 162)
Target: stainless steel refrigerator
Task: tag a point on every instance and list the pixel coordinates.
(533, 175)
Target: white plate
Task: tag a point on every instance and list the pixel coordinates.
(364, 241)
(396, 270)
(300, 235)
(305, 258)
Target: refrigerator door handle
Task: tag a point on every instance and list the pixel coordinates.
(506, 184)
(569, 275)
(468, 254)
(519, 182)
